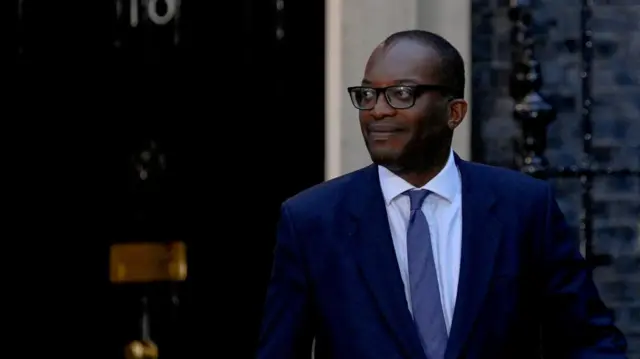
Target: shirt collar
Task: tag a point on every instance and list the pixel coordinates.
(445, 184)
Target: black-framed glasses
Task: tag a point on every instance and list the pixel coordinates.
(399, 97)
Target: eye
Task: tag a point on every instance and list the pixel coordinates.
(402, 93)
(367, 94)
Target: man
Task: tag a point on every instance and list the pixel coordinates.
(423, 255)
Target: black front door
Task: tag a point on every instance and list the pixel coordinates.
(235, 109)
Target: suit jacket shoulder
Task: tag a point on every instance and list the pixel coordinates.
(512, 189)
(324, 197)
(506, 184)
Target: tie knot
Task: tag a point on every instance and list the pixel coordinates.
(417, 197)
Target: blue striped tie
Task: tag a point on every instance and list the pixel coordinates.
(425, 293)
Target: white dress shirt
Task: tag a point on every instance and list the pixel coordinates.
(443, 210)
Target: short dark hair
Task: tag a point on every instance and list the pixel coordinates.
(451, 63)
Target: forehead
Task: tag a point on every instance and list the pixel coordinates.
(403, 60)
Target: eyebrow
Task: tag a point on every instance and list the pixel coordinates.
(397, 82)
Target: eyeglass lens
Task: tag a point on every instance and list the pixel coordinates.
(397, 97)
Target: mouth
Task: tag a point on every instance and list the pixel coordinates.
(383, 134)
(382, 131)
(383, 128)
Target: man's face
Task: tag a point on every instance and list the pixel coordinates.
(405, 139)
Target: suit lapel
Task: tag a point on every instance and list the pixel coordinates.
(481, 234)
(375, 252)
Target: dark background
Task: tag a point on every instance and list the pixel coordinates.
(238, 115)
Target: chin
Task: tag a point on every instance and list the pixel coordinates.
(387, 157)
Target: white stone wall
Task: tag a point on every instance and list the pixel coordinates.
(354, 28)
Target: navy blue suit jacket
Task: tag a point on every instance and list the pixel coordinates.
(524, 289)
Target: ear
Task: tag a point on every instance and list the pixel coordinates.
(457, 112)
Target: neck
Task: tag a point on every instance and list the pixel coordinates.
(421, 177)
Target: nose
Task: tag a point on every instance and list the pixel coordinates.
(382, 108)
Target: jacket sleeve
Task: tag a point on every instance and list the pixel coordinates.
(286, 331)
(575, 324)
